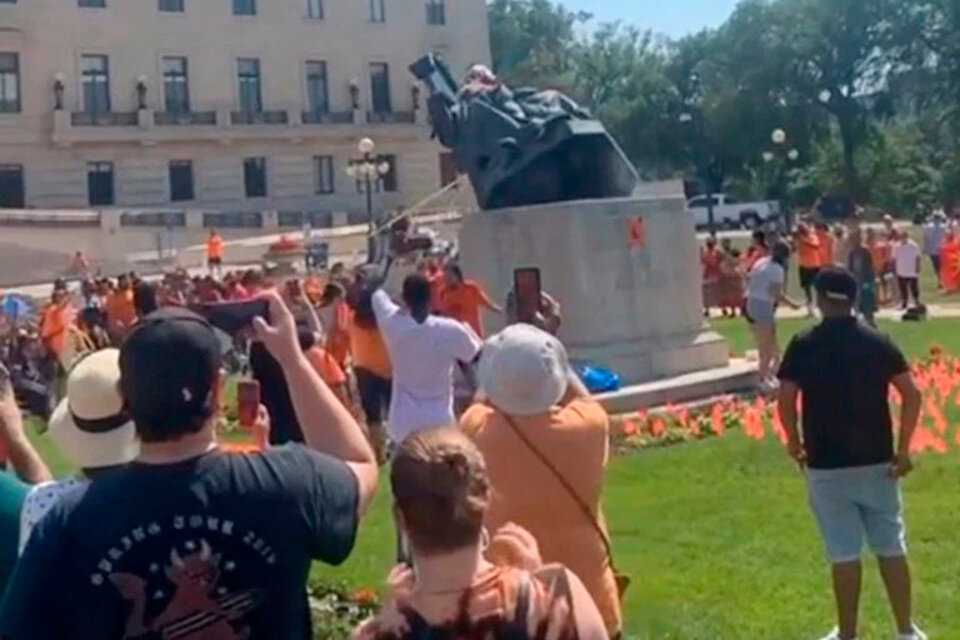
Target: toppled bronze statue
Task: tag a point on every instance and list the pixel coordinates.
(522, 147)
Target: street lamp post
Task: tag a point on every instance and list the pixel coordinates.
(780, 151)
(369, 170)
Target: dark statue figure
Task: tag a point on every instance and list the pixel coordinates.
(522, 147)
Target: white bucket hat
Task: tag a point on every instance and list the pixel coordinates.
(90, 426)
(523, 370)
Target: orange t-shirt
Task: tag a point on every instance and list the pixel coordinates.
(880, 254)
(121, 313)
(338, 340)
(54, 327)
(369, 350)
(826, 247)
(711, 259)
(753, 254)
(464, 303)
(215, 247)
(808, 251)
(574, 438)
(326, 366)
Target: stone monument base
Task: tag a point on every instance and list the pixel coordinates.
(626, 273)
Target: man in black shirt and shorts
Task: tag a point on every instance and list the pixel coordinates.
(190, 542)
(844, 370)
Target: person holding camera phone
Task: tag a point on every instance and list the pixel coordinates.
(249, 525)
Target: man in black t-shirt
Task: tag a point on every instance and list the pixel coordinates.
(844, 370)
(189, 542)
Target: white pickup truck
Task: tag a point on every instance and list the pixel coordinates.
(730, 213)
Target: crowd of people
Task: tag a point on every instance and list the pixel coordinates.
(163, 532)
(887, 263)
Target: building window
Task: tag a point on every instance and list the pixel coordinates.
(96, 4)
(378, 12)
(244, 7)
(100, 183)
(323, 173)
(315, 9)
(436, 12)
(317, 94)
(11, 186)
(176, 92)
(380, 87)
(9, 83)
(171, 6)
(255, 177)
(95, 71)
(181, 180)
(248, 83)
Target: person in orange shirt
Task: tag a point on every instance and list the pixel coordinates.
(758, 249)
(710, 259)
(55, 323)
(433, 272)
(371, 366)
(325, 365)
(809, 260)
(546, 443)
(121, 311)
(880, 254)
(334, 315)
(215, 253)
(826, 244)
(463, 299)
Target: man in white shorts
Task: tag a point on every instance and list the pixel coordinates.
(844, 370)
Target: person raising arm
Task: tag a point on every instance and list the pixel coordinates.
(330, 427)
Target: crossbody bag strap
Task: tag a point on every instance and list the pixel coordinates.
(591, 518)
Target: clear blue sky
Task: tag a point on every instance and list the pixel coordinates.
(673, 17)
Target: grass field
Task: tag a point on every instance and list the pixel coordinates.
(915, 339)
(718, 539)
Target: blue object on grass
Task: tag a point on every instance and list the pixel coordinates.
(596, 378)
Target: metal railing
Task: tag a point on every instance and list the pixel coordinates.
(326, 117)
(258, 117)
(103, 119)
(184, 118)
(391, 117)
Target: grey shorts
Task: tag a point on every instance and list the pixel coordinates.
(856, 503)
(760, 312)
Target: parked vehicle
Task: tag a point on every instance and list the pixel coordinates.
(730, 213)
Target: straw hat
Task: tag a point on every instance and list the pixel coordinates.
(90, 426)
(523, 370)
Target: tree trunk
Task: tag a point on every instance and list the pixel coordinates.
(848, 137)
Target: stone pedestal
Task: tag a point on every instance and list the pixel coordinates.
(626, 273)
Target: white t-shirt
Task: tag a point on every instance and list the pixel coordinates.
(906, 255)
(763, 276)
(423, 357)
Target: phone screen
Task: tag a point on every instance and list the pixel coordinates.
(527, 289)
(231, 317)
(248, 402)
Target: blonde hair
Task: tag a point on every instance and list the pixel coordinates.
(441, 488)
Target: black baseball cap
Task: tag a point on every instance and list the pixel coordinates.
(837, 284)
(168, 365)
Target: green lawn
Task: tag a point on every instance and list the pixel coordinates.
(718, 539)
(720, 545)
(914, 338)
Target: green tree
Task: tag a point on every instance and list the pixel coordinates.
(533, 41)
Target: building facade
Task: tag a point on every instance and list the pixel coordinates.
(223, 105)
